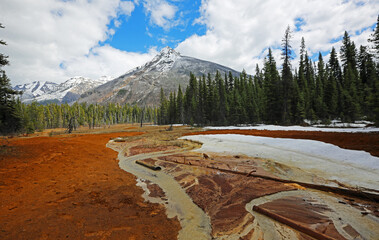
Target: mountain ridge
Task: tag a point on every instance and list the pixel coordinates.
(141, 85)
(66, 92)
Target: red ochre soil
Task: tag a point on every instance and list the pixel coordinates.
(71, 187)
(368, 142)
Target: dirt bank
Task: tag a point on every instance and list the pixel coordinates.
(71, 187)
(368, 142)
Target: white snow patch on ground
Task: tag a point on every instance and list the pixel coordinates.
(355, 168)
(297, 128)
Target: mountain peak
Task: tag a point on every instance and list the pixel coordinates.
(164, 60)
(168, 51)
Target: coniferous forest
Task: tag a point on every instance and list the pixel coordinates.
(345, 89)
(37, 117)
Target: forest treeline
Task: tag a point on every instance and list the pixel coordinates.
(37, 117)
(346, 90)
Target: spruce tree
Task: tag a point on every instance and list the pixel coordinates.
(222, 99)
(180, 106)
(287, 77)
(10, 119)
(320, 107)
(163, 114)
(272, 90)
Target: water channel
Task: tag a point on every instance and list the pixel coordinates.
(194, 222)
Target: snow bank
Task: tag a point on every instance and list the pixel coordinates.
(356, 168)
(298, 128)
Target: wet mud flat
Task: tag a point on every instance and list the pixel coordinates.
(242, 205)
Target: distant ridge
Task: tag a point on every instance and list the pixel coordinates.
(142, 85)
(66, 92)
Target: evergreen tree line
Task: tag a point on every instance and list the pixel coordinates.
(347, 91)
(37, 117)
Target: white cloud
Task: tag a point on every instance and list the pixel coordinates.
(161, 13)
(43, 35)
(99, 59)
(238, 31)
(126, 8)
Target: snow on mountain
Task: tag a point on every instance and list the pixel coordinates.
(35, 89)
(68, 91)
(164, 61)
(141, 85)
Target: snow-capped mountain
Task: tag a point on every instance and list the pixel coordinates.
(35, 89)
(142, 85)
(68, 91)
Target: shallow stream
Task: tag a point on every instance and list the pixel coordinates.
(194, 222)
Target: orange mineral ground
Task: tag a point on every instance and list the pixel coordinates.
(71, 187)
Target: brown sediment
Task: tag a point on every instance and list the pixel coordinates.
(305, 216)
(70, 186)
(191, 160)
(222, 195)
(149, 149)
(368, 142)
(155, 190)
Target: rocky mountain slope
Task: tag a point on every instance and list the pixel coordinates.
(66, 92)
(142, 85)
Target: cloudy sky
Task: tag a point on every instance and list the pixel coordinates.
(53, 40)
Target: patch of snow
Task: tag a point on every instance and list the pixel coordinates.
(299, 128)
(164, 61)
(356, 168)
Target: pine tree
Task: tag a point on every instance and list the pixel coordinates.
(259, 93)
(351, 84)
(10, 120)
(331, 95)
(180, 106)
(163, 114)
(272, 90)
(320, 107)
(287, 77)
(368, 77)
(348, 52)
(222, 99)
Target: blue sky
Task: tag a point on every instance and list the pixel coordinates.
(138, 34)
(54, 40)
